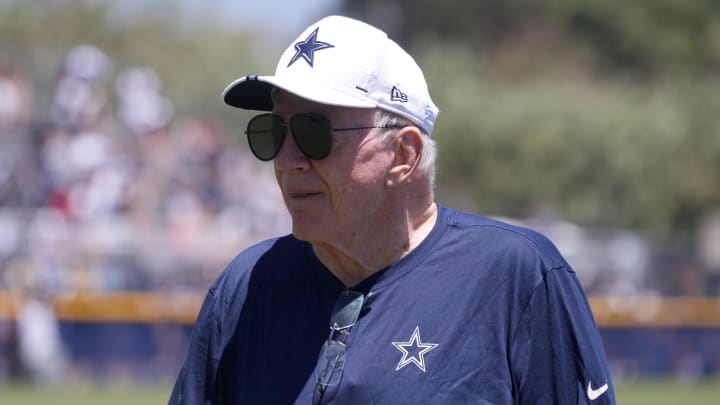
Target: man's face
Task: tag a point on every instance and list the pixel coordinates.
(334, 198)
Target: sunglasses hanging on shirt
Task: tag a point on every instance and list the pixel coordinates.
(331, 360)
(312, 133)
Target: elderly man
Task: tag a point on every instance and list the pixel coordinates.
(380, 295)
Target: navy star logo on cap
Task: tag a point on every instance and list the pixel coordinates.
(306, 49)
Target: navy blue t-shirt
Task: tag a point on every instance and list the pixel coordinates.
(480, 312)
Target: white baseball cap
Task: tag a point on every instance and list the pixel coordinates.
(343, 62)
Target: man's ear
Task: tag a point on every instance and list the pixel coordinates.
(407, 147)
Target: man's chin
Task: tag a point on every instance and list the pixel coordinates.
(310, 233)
(301, 233)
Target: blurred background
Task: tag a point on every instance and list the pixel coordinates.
(126, 185)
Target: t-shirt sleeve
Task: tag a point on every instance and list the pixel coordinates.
(199, 381)
(196, 381)
(557, 356)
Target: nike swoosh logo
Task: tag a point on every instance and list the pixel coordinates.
(594, 394)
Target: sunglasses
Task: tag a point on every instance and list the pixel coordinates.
(312, 133)
(331, 360)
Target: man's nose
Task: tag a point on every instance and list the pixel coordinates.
(290, 158)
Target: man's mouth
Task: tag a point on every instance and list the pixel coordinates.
(299, 195)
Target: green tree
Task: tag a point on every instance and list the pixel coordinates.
(605, 110)
(639, 36)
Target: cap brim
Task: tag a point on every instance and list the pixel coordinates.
(254, 93)
(249, 93)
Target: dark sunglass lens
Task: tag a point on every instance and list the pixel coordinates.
(347, 310)
(312, 135)
(265, 136)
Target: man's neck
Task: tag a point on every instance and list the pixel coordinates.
(363, 253)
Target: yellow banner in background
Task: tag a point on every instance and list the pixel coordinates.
(144, 307)
(182, 308)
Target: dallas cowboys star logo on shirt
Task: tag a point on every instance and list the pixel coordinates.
(306, 49)
(413, 351)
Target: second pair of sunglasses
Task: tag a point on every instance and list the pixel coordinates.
(312, 133)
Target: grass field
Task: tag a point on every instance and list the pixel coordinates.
(80, 394)
(668, 392)
(660, 392)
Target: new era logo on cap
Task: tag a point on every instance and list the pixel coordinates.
(344, 62)
(397, 95)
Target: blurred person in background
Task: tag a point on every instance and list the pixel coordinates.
(380, 294)
(19, 175)
(42, 354)
(10, 367)
(15, 99)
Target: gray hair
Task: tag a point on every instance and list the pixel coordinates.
(429, 153)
